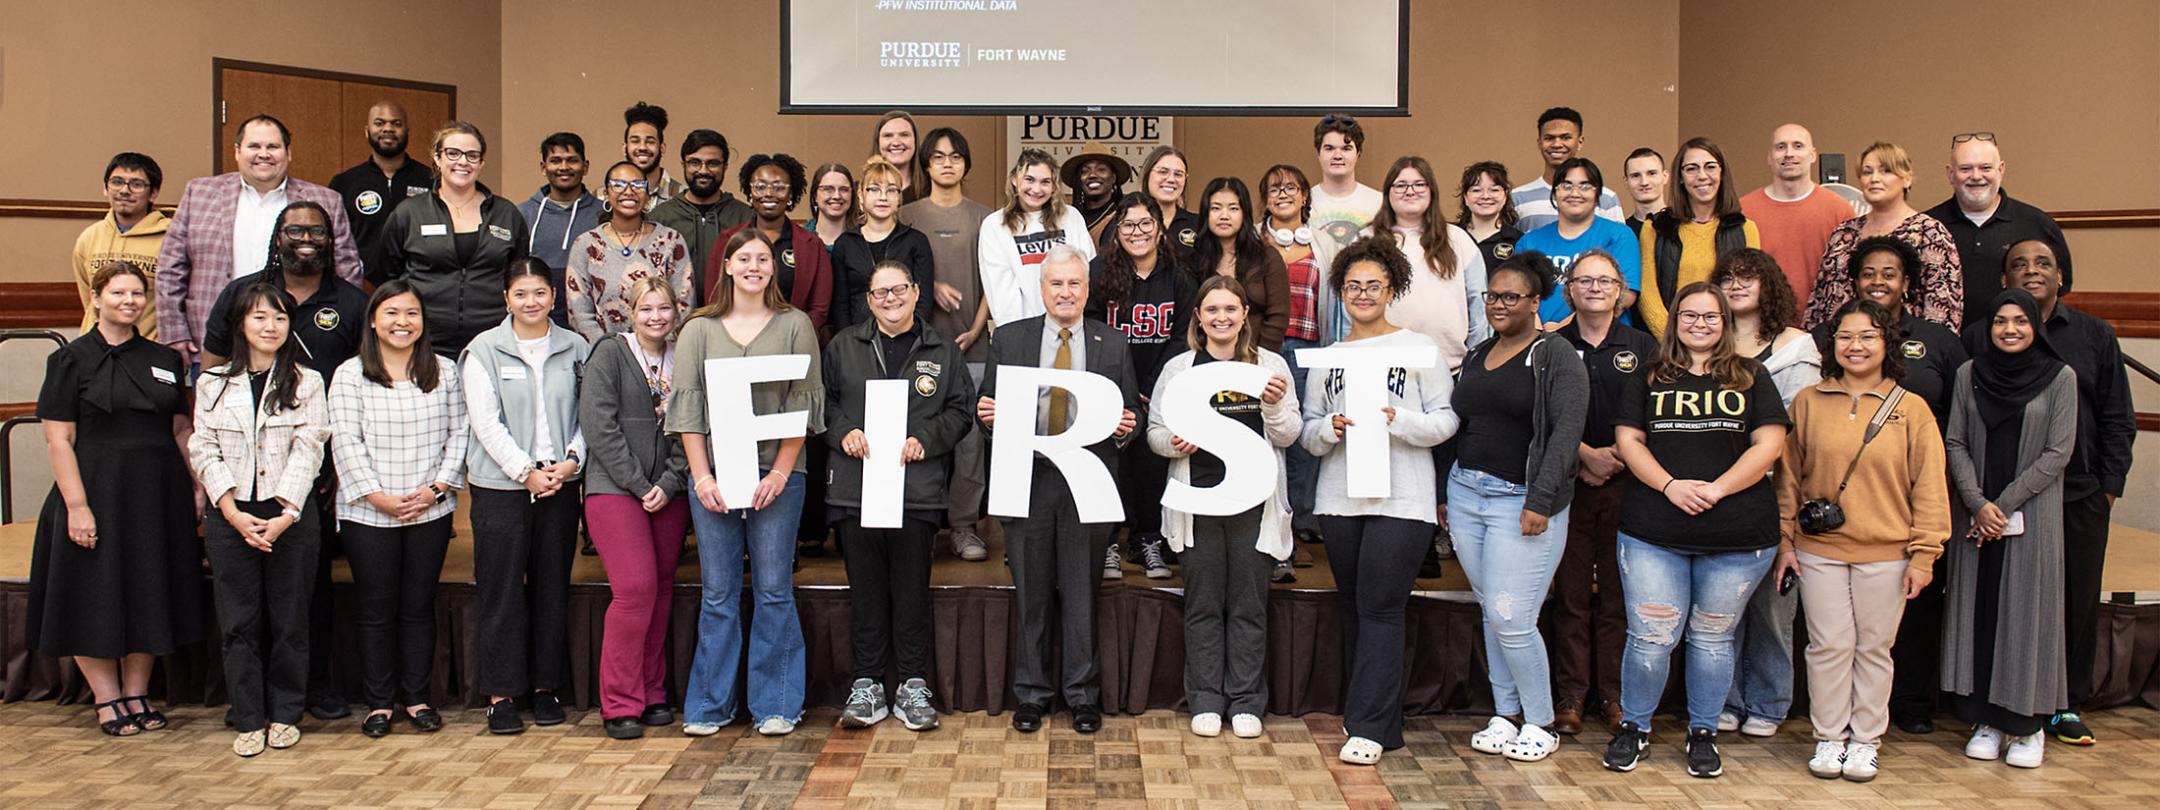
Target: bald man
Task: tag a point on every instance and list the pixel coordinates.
(1794, 214)
(1986, 222)
(374, 188)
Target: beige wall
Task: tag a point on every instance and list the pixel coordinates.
(81, 81)
(2065, 87)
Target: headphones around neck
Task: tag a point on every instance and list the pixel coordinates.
(1285, 236)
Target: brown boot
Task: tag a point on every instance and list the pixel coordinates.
(1567, 719)
(1612, 716)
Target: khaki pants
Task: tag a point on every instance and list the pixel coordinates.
(1852, 619)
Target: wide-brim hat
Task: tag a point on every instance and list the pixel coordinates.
(1094, 150)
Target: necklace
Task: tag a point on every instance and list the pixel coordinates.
(627, 241)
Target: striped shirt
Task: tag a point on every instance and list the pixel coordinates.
(1533, 201)
(396, 439)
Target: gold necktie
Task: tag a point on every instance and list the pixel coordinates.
(1059, 398)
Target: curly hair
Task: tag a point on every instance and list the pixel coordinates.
(1780, 308)
(1893, 364)
(1908, 262)
(1380, 250)
(1534, 267)
(787, 163)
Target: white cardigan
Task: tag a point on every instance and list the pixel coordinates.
(1280, 423)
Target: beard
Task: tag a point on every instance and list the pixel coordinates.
(291, 261)
(395, 149)
(704, 185)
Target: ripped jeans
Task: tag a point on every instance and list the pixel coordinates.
(1663, 585)
(1510, 575)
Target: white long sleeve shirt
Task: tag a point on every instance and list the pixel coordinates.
(1012, 263)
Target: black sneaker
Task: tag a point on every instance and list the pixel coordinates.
(1703, 761)
(1284, 572)
(1152, 560)
(502, 717)
(623, 728)
(547, 709)
(328, 706)
(2070, 729)
(1626, 748)
(658, 714)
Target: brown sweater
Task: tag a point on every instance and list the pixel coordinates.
(1898, 504)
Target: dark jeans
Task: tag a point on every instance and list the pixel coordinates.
(1226, 598)
(888, 573)
(1587, 640)
(1055, 560)
(322, 685)
(394, 573)
(1141, 478)
(2085, 539)
(522, 551)
(1375, 560)
(262, 610)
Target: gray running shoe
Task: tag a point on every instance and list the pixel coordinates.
(969, 546)
(865, 704)
(912, 704)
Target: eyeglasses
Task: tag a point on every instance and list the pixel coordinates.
(1574, 186)
(1704, 318)
(1364, 288)
(627, 185)
(877, 190)
(947, 157)
(768, 188)
(1505, 299)
(1409, 187)
(1731, 281)
(127, 184)
(1137, 226)
(1284, 190)
(315, 233)
(1972, 136)
(827, 191)
(894, 291)
(1595, 282)
(451, 154)
(694, 165)
(1868, 338)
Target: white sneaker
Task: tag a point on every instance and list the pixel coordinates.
(2027, 751)
(1207, 724)
(1829, 759)
(776, 726)
(1757, 727)
(1728, 721)
(1495, 736)
(1860, 760)
(700, 729)
(1986, 743)
(1531, 744)
(1246, 726)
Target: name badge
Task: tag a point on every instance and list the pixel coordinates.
(513, 372)
(434, 230)
(499, 232)
(164, 376)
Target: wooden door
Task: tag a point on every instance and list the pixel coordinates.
(326, 112)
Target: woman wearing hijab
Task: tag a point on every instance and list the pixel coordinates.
(2012, 427)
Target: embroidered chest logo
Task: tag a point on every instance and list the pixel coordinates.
(1625, 362)
(1185, 236)
(1914, 349)
(925, 384)
(1503, 251)
(326, 319)
(368, 203)
(787, 257)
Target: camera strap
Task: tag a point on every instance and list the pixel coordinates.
(1874, 426)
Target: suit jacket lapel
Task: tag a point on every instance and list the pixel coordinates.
(1096, 354)
(1031, 349)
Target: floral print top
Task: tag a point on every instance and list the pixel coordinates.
(1935, 292)
(601, 269)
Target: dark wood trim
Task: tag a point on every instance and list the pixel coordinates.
(2133, 314)
(10, 410)
(39, 305)
(2108, 218)
(2148, 422)
(61, 209)
(218, 64)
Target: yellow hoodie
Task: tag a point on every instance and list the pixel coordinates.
(103, 242)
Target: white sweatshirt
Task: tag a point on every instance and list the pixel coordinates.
(1012, 263)
(1424, 417)
(1451, 311)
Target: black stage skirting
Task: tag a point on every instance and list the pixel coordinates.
(1139, 638)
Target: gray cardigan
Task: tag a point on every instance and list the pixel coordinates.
(1556, 422)
(2027, 675)
(630, 453)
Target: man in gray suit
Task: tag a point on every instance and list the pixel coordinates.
(1053, 555)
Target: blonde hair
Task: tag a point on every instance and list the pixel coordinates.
(1894, 158)
(878, 166)
(460, 128)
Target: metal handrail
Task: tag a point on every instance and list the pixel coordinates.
(2141, 368)
(7, 429)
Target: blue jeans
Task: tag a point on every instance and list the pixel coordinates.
(1510, 574)
(1762, 682)
(779, 667)
(1300, 466)
(1662, 585)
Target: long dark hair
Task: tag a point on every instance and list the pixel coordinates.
(1281, 172)
(274, 268)
(1676, 193)
(421, 368)
(283, 393)
(1498, 173)
(1780, 307)
(1118, 267)
(1433, 234)
(1252, 254)
(1879, 316)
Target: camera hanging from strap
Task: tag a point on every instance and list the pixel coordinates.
(1874, 426)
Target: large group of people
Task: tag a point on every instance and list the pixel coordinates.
(1630, 426)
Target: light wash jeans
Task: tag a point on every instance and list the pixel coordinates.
(1662, 586)
(1510, 574)
(1762, 681)
(779, 668)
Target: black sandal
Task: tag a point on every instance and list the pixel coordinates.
(121, 722)
(149, 719)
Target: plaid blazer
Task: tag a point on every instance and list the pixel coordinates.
(196, 261)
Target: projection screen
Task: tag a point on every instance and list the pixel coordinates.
(1162, 57)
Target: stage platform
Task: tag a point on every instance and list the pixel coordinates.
(1140, 634)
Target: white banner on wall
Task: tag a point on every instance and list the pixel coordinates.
(1130, 137)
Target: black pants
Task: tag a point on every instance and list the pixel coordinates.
(395, 571)
(1226, 598)
(1141, 478)
(322, 686)
(522, 551)
(1375, 561)
(262, 610)
(2085, 539)
(1916, 680)
(888, 572)
(1055, 560)
(817, 519)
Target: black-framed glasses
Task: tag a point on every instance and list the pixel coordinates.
(1972, 136)
(127, 184)
(1284, 190)
(894, 291)
(1136, 226)
(316, 233)
(1505, 299)
(1704, 318)
(1410, 187)
(452, 154)
(1373, 288)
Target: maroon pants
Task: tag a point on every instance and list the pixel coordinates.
(1593, 523)
(639, 550)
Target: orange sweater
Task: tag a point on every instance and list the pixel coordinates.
(1898, 504)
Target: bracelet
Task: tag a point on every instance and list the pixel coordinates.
(1668, 484)
(294, 514)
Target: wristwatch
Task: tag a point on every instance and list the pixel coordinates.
(292, 513)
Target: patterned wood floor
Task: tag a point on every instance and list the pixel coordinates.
(50, 756)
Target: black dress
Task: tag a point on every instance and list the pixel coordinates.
(141, 589)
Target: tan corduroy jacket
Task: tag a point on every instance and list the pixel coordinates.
(1898, 504)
